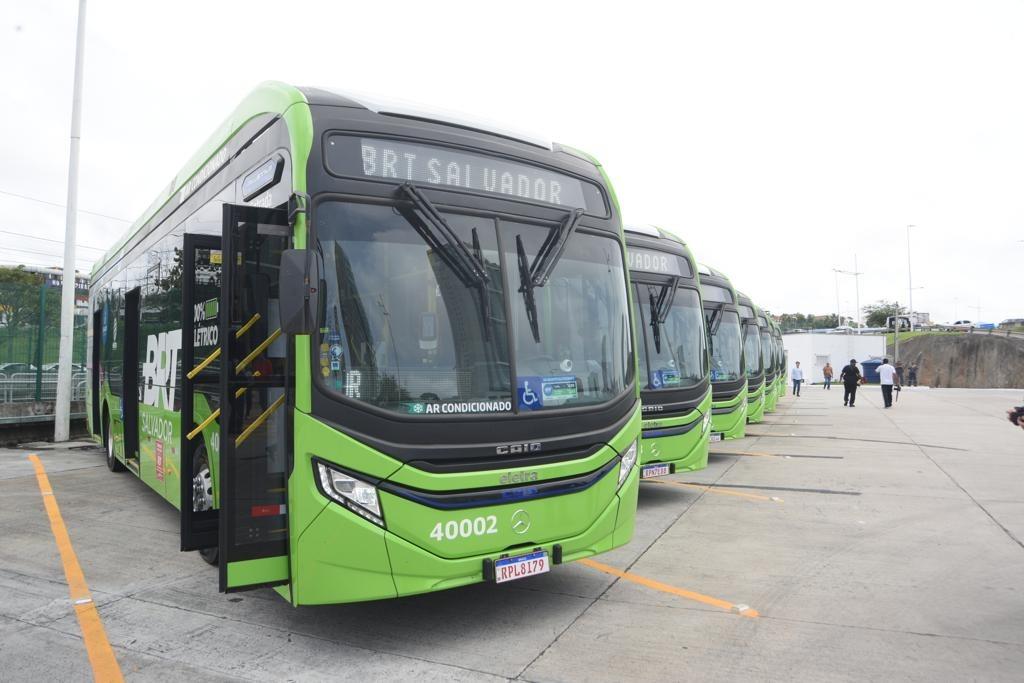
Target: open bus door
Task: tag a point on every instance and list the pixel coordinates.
(254, 398)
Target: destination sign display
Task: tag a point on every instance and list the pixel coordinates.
(716, 293)
(430, 165)
(651, 261)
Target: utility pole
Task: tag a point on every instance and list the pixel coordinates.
(839, 316)
(910, 283)
(856, 279)
(896, 336)
(62, 413)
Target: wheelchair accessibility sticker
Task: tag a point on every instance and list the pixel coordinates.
(536, 392)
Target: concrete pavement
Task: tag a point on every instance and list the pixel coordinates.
(873, 543)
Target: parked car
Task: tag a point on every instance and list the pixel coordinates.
(52, 367)
(12, 368)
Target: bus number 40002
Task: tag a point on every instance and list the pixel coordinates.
(465, 528)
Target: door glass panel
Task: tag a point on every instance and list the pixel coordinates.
(253, 438)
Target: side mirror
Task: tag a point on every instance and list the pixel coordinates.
(299, 291)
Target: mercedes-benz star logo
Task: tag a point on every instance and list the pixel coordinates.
(520, 521)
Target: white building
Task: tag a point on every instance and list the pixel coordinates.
(813, 350)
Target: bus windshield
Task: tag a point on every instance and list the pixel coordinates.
(726, 356)
(676, 348)
(406, 329)
(752, 350)
(767, 348)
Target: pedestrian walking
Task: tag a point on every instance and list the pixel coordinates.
(912, 376)
(797, 375)
(827, 371)
(851, 378)
(888, 378)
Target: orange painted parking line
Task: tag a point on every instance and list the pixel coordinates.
(712, 489)
(672, 590)
(101, 656)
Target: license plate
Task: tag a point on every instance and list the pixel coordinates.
(716, 436)
(521, 566)
(655, 470)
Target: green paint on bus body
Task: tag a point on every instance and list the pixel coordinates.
(686, 452)
(755, 405)
(335, 555)
(729, 418)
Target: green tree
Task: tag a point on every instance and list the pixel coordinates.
(878, 312)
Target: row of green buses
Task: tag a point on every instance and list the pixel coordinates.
(370, 351)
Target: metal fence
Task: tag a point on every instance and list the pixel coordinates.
(39, 387)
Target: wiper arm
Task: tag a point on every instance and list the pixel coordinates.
(526, 288)
(553, 248)
(537, 274)
(436, 232)
(656, 320)
(716, 319)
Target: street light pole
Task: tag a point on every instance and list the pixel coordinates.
(839, 317)
(62, 410)
(910, 283)
(856, 278)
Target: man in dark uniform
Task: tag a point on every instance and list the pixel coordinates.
(850, 378)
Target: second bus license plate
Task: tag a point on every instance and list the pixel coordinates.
(521, 566)
(655, 470)
(716, 436)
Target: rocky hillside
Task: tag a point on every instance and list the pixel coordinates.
(965, 360)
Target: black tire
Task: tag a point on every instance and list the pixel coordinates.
(202, 487)
(113, 464)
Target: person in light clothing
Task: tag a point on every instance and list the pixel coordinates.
(888, 378)
(797, 375)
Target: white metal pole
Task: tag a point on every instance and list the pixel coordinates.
(62, 416)
(856, 280)
(910, 283)
(839, 316)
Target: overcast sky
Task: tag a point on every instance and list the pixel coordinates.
(779, 139)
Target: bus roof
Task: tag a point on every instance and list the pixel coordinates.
(269, 97)
(391, 106)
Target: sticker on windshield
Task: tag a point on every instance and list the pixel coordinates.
(537, 392)
(664, 378)
(457, 407)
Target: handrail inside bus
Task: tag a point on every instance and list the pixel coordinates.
(202, 366)
(258, 350)
(245, 328)
(203, 425)
(259, 421)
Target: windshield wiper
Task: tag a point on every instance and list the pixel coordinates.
(467, 265)
(660, 308)
(716, 319)
(537, 274)
(527, 289)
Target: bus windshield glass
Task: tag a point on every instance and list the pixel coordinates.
(408, 329)
(767, 347)
(676, 348)
(726, 349)
(752, 350)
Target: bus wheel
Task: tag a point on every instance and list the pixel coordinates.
(113, 464)
(202, 496)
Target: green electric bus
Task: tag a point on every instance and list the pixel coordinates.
(672, 352)
(728, 370)
(753, 358)
(780, 355)
(768, 358)
(370, 351)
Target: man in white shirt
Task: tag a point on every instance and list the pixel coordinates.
(887, 376)
(797, 375)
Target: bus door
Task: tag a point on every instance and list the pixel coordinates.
(254, 429)
(130, 384)
(200, 402)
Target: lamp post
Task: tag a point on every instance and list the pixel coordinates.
(910, 283)
(62, 409)
(856, 278)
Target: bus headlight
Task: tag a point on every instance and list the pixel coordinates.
(706, 420)
(627, 462)
(355, 494)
